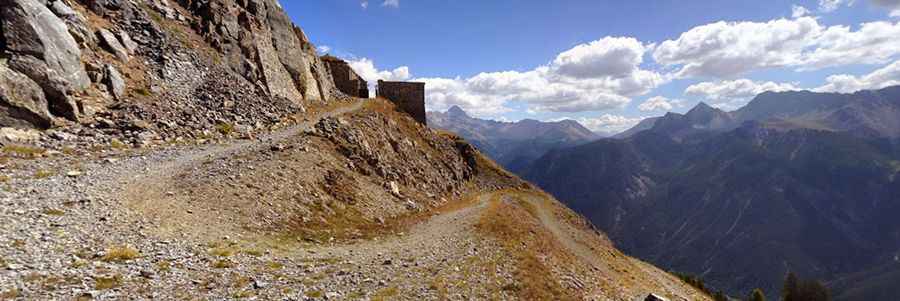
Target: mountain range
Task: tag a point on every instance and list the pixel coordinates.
(794, 181)
(512, 144)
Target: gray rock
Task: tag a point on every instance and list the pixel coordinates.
(111, 43)
(129, 44)
(76, 23)
(278, 55)
(114, 81)
(22, 102)
(62, 10)
(41, 48)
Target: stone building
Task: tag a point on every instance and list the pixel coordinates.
(408, 96)
(345, 79)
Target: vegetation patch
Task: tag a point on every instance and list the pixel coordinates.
(121, 253)
(43, 174)
(225, 128)
(517, 230)
(9, 294)
(54, 212)
(314, 294)
(386, 293)
(117, 144)
(222, 264)
(23, 151)
(105, 283)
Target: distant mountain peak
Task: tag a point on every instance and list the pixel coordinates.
(702, 108)
(456, 111)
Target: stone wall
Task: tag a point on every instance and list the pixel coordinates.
(345, 79)
(408, 96)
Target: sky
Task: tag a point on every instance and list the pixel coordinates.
(608, 64)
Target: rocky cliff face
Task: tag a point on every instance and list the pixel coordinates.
(260, 42)
(153, 71)
(38, 51)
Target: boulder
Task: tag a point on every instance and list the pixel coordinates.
(62, 10)
(112, 44)
(114, 81)
(40, 47)
(129, 44)
(101, 6)
(76, 23)
(22, 102)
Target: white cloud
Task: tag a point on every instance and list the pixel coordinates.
(659, 103)
(734, 93)
(609, 123)
(725, 49)
(872, 43)
(364, 4)
(323, 49)
(729, 49)
(828, 6)
(596, 76)
(884, 77)
(366, 69)
(799, 11)
(391, 3)
(610, 56)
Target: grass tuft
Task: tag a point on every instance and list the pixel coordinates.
(225, 128)
(222, 264)
(41, 174)
(23, 151)
(105, 283)
(54, 212)
(120, 253)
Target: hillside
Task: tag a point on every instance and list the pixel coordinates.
(199, 150)
(741, 206)
(512, 144)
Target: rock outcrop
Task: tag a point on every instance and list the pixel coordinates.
(22, 102)
(38, 45)
(261, 43)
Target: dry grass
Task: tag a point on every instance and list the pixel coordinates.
(314, 294)
(387, 293)
(521, 235)
(164, 266)
(121, 253)
(43, 174)
(9, 294)
(118, 144)
(223, 251)
(105, 283)
(54, 212)
(23, 151)
(225, 128)
(222, 264)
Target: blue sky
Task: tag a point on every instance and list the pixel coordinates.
(608, 64)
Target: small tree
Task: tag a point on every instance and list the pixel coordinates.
(720, 296)
(796, 289)
(791, 287)
(757, 295)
